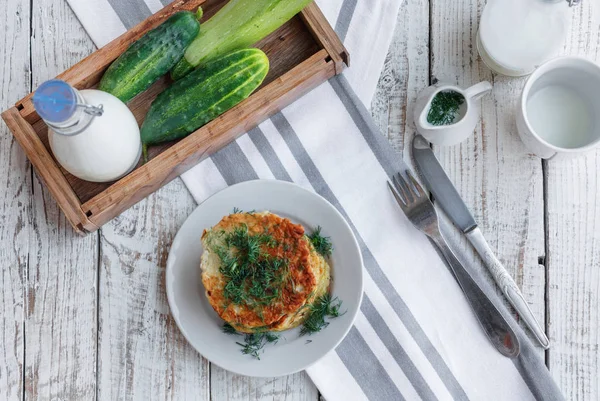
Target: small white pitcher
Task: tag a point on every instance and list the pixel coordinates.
(468, 114)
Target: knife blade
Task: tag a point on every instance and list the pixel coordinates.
(447, 197)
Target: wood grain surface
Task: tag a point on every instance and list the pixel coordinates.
(60, 302)
(15, 203)
(231, 387)
(87, 318)
(573, 241)
(142, 355)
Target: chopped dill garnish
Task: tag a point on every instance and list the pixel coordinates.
(321, 244)
(444, 108)
(253, 277)
(255, 342)
(308, 342)
(229, 329)
(323, 307)
(239, 211)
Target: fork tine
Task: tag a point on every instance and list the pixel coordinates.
(406, 191)
(416, 185)
(399, 189)
(397, 196)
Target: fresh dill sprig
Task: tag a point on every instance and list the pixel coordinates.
(229, 329)
(322, 244)
(253, 277)
(239, 211)
(444, 108)
(255, 342)
(323, 307)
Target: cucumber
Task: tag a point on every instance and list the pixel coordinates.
(238, 25)
(150, 57)
(203, 95)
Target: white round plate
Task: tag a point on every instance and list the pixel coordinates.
(202, 327)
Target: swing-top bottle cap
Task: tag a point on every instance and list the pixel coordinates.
(55, 101)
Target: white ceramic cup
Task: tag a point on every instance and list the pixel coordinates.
(566, 122)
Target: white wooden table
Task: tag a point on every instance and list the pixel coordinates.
(87, 318)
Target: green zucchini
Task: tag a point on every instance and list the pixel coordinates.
(150, 57)
(238, 25)
(203, 95)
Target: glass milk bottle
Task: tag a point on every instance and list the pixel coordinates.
(92, 134)
(517, 36)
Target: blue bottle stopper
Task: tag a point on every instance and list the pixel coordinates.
(55, 101)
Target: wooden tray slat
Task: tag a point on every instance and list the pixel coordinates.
(48, 170)
(303, 53)
(314, 18)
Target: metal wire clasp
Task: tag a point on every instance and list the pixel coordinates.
(95, 111)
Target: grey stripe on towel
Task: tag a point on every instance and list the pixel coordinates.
(344, 18)
(130, 12)
(366, 369)
(268, 153)
(396, 349)
(388, 159)
(233, 164)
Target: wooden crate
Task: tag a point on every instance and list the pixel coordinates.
(303, 53)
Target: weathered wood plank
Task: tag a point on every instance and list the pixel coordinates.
(574, 246)
(500, 182)
(404, 75)
(231, 387)
(142, 353)
(15, 205)
(60, 355)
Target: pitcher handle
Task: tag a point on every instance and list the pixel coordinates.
(476, 91)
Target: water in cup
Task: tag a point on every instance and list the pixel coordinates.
(561, 116)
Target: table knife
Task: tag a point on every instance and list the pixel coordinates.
(436, 180)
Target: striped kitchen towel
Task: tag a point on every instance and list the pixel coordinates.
(415, 336)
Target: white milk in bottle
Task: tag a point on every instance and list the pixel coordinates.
(93, 135)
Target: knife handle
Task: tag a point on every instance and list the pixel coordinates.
(507, 284)
(494, 324)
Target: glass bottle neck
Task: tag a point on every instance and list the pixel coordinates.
(75, 124)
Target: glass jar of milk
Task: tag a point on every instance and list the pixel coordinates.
(517, 36)
(92, 134)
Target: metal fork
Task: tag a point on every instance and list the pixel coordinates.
(420, 211)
